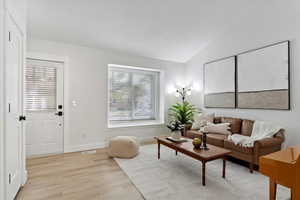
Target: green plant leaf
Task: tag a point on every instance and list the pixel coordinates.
(183, 113)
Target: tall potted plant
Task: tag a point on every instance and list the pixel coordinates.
(183, 112)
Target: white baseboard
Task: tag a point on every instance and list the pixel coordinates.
(84, 147)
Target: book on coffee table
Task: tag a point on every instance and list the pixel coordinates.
(180, 140)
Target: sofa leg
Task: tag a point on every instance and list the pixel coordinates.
(251, 167)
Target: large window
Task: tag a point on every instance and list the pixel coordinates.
(134, 95)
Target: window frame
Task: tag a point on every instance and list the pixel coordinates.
(159, 105)
(27, 89)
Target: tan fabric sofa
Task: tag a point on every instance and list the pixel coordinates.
(244, 127)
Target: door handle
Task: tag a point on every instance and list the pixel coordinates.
(22, 118)
(59, 113)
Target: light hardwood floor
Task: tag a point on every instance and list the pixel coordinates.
(77, 176)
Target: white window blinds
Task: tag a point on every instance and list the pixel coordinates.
(40, 86)
(133, 93)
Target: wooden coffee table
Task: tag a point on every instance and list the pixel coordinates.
(204, 156)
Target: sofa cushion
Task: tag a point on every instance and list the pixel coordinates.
(216, 139)
(221, 128)
(231, 146)
(201, 120)
(247, 126)
(235, 123)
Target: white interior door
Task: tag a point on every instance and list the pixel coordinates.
(13, 129)
(44, 107)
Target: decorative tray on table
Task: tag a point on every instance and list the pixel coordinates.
(181, 140)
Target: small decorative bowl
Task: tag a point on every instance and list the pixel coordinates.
(197, 143)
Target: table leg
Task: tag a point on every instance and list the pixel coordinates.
(176, 152)
(203, 173)
(224, 167)
(295, 193)
(158, 152)
(273, 187)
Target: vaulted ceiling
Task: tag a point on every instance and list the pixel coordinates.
(164, 29)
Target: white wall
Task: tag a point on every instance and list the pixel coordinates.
(86, 83)
(266, 22)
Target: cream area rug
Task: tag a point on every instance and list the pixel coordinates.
(179, 178)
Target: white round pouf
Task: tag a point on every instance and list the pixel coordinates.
(123, 147)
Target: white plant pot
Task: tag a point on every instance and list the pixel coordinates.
(176, 135)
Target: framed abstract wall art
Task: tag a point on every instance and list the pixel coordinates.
(219, 83)
(263, 78)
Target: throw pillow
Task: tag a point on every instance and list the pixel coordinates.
(200, 120)
(222, 128)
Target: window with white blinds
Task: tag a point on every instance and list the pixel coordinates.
(134, 94)
(40, 87)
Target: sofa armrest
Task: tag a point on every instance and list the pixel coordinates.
(268, 142)
(280, 135)
(266, 146)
